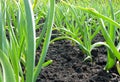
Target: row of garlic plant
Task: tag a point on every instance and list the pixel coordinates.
(73, 24)
(18, 40)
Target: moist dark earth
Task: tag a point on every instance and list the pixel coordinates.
(69, 65)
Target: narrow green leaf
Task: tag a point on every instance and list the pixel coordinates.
(70, 38)
(109, 40)
(111, 59)
(8, 73)
(47, 39)
(1, 75)
(1, 28)
(41, 36)
(47, 63)
(34, 4)
(3, 40)
(30, 56)
(97, 44)
(95, 33)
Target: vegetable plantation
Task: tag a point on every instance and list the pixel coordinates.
(59, 40)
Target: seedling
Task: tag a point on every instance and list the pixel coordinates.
(85, 38)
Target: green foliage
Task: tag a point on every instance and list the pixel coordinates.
(82, 24)
(79, 21)
(18, 40)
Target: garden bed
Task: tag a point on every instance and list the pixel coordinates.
(68, 65)
(76, 52)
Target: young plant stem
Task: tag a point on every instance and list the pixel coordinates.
(47, 39)
(31, 43)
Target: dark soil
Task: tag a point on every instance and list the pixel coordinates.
(68, 65)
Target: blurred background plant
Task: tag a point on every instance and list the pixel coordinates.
(82, 21)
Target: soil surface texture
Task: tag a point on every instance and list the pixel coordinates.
(69, 66)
